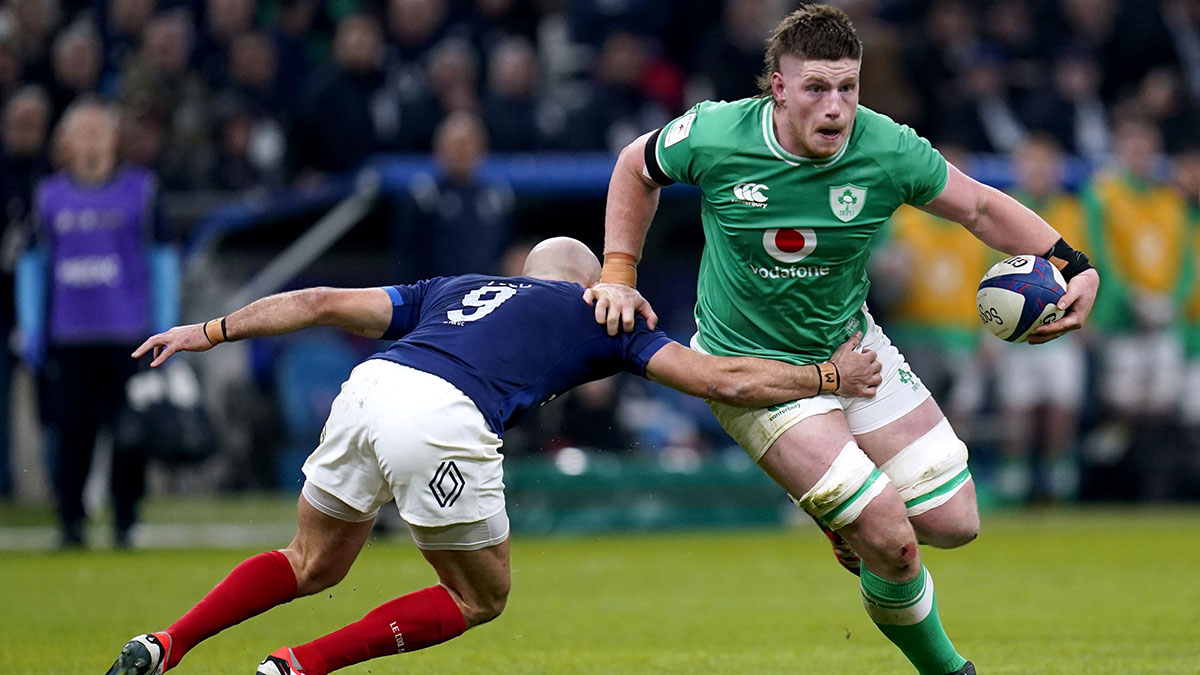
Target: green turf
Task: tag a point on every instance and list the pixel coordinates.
(1060, 592)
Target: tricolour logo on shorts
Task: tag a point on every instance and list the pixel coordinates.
(847, 201)
(789, 245)
(447, 484)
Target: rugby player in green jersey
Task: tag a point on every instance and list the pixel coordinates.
(795, 184)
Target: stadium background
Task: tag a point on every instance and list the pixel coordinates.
(262, 126)
(419, 137)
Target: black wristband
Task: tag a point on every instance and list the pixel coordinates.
(224, 333)
(1068, 261)
(652, 167)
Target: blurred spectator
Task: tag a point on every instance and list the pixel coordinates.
(1164, 100)
(159, 84)
(1040, 413)
(10, 68)
(1182, 18)
(23, 131)
(518, 117)
(252, 68)
(33, 23)
(100, 287)
(937, 55)
(298, 45)
(729, 58)
(1126, 38)
(1139, 227)
(619, 107)
(78, 57)
(981, 116)
(498, 20)
(1072, 109)
(335, 129)
(593, 22)
(933, 267)
(122, 29)
(415, 26)
(251, 103)
(224, 20)
(589, 419)
(456, 221)
(247, 153)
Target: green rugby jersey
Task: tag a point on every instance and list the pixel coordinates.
(783, 273)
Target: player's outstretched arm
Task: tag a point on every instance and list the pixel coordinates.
(362, 311)
(1003, 223)
(751, 383)
(632, 201)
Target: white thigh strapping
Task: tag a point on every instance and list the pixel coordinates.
(848, 485)
(930, 471)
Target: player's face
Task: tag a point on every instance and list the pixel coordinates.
(818, 101)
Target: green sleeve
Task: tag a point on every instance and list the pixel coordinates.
(918, 169)
(676, 149)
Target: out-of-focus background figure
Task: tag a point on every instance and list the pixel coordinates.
(96, 282)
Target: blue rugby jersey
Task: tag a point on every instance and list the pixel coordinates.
(509, 343)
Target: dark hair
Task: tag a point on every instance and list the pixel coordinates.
(819, 32)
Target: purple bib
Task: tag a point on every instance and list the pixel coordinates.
(97, 239)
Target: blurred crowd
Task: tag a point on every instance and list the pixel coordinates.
(253, 95)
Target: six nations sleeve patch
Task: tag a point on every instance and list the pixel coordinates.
(679, 130)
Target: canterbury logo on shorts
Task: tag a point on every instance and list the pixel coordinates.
(447, 484)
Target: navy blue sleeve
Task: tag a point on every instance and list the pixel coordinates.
(406, 308)
(637, 347)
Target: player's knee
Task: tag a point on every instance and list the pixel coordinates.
(315, 572)
(885, 539)
(481, 605)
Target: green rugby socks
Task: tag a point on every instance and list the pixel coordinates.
(906, 612)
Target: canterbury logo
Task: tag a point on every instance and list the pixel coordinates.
(750, 193)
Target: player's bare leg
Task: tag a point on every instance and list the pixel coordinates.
(473, 589)
(323, 549)
(818, 459)
(319, 556)
(951, 524)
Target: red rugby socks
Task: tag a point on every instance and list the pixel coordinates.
(256, 585)
(420, 619)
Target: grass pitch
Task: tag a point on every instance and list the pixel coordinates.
(1097, 591)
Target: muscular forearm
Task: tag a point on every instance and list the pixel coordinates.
(279, 314)
(754, 383)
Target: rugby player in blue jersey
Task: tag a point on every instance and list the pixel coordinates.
(421, 423)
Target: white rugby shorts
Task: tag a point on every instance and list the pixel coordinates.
(395, 432)
(756, 429)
